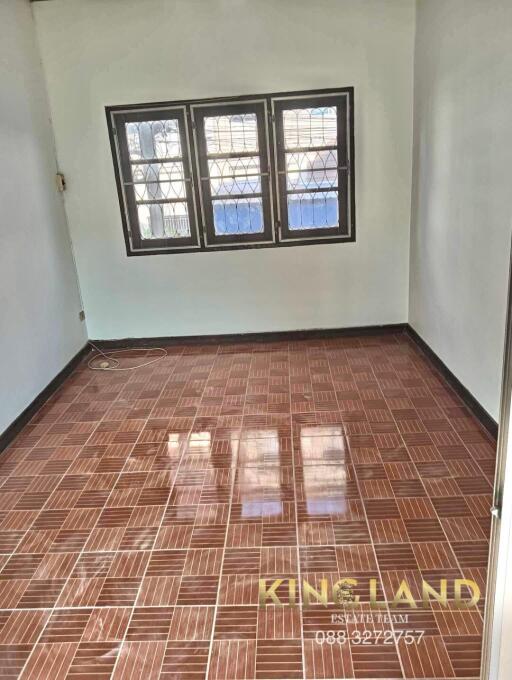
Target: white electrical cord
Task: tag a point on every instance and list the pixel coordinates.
(107, 365)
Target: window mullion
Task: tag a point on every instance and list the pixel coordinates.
(311, 166)
(233, 169)
(213, 174)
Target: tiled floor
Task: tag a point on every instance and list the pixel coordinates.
(140, 508)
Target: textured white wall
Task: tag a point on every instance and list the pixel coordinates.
(462, 191)
(99, 52)
(39, 302)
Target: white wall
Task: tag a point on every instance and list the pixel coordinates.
(462, 188)
(39, 301)
(100, 52)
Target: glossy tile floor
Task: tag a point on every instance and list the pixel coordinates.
(139, 509)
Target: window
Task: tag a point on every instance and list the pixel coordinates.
(155, 178)
(234, 173)
(262, 171)
(312, 166)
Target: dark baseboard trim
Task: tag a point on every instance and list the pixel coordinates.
(486, 420)
(8, 435)
(268, 336)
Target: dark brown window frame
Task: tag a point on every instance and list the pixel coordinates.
(198, 113)
(276, 233)
(280, 104)
(125, 180)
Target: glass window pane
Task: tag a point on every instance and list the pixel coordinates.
(313, 210)
(158, 180)
(164, 220)
(310, 127)
(153, 139)
(238, 216)
(313, 179)
(312, 169)
(235, 175)
(231, 134)
(306, 160)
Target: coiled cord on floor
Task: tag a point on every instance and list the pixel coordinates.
(110, 359)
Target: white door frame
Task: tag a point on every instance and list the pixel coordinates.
(497, 638)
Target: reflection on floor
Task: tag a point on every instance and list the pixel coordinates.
(139, 510)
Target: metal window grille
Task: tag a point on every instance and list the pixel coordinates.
(262, 171)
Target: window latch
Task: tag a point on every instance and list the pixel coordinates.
(496, 512)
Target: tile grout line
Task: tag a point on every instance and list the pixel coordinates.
(429, 496)
(261, 546)
(61, 476)
(392, 623)
(92, 529)
(215, 608)
(299, 570)
(362, 506)
(52, 609)
(139, 589)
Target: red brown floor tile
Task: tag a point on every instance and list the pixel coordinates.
(138, 511)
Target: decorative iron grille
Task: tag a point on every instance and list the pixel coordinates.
(265, 170)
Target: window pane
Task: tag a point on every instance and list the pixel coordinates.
(164, 220)
(310, 127)
(158, 180)
(235, 175)
(313, 179)
(313, 210)
(312, 169)
(231, 134)
(153, 139)
(238, 216)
